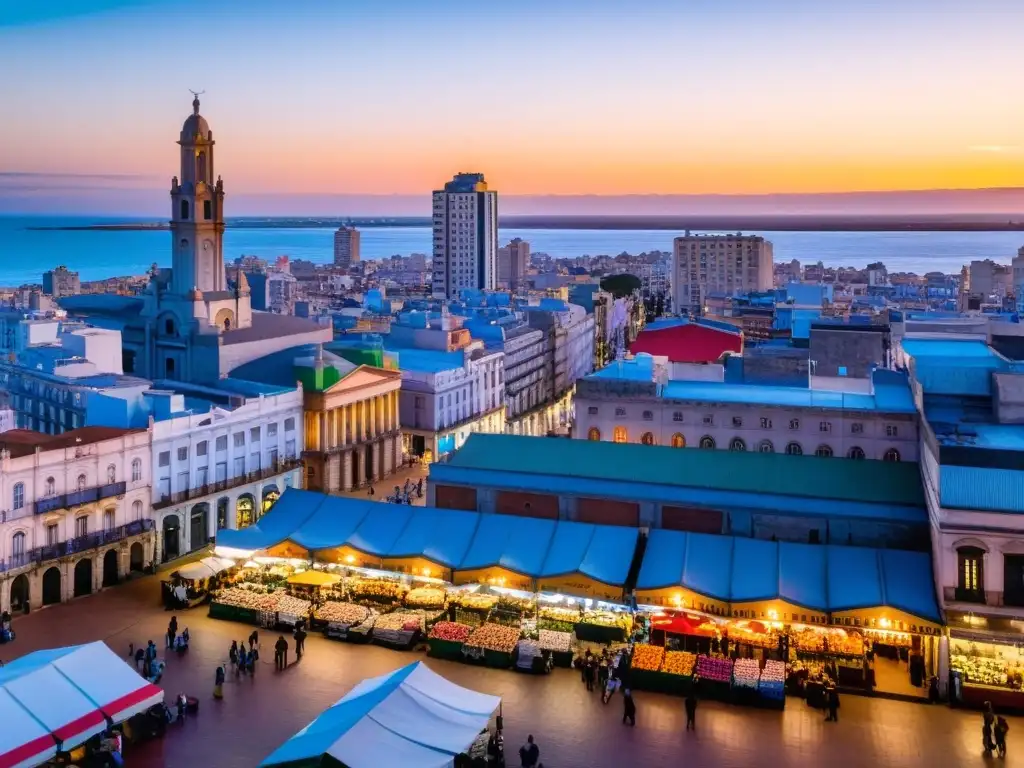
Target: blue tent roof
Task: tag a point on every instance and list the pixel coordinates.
(909, 583)
(755, 570)
(439, 535)
(662, 565)
(289, 512)
(602, 552)
(334, 523)
(854, 578)
(517, 544)
(802, 579)
(707, 567)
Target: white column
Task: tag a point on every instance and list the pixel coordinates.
(342, 426)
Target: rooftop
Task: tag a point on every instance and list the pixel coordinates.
(979, 488)
(266, 325)
(685, 342)
(871, 482)
(23, 442)
(888, 398)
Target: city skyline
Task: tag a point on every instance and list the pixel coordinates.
(737, 100)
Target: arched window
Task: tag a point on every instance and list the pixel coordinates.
(824, 451)
(621, 435)
(51, 486)
(18, 500)
(169, 326)
(707, 442)
(855, 453)
(136, 510)
(891, 455)
(765, 446)
(82, 480)
(184, 211)
(111, 474)
(678, 441)
(108, 520)
(971, 579)
(594, 434)
(18, 548)
(647, 438)
(201, 166)
(794, 449)
(136, 470)
(737, 444)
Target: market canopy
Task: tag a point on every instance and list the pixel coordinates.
(61, 698)
(314, 579)
(410, 718)
(517, 544)
(861, 579)
(205, 568)
(601, 552)
(287, 515)
(439, 535)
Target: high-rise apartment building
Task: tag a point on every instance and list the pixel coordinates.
(1018, 279)
(513, 259)
(465, 236)
(727, 264)
(61, 282)
(346, 247)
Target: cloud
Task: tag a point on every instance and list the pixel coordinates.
(993, 148)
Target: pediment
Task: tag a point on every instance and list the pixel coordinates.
(364, 377)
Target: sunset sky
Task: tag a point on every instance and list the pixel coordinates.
(553, 97)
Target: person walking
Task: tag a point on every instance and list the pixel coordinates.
(1001, 728)
(529, 753)
(370, 493)
(218, 682)
(987, 723)
(628, 707)
(691, 711)
(233, 653)
(172, 631)
(589, 672)
(300, 642)
(281, 653)
(254, 639)
(832, 696)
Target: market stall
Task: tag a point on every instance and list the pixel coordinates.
(432, 543)
(56, 700)
(506, 551)
(686, 570)
(414, 716)
(983, 669)
(591, 561)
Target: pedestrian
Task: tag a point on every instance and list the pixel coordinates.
(300, 642)
(602, 674)
(370, 493)
(254, 656)
(131, 651)
(181, 708)
(254, 639)
(584, 661)
(529, 753)
(1001, 728)
(218, 682)
(988, 721)
(691, 711)
(589, 672)
(281, 653)
(419, 488)
(628, 707)
(172, 631)
(832, 696)
(233, 653)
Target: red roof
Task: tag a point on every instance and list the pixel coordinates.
(689, 343)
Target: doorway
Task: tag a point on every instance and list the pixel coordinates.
(19, 594)
(356, 481)
(172, 545)
(198, 534)
(51, 586)
(110, 568)
(83, 577)
(136, 558)
(369, 463)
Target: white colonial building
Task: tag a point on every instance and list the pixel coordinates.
(75, 513)
(222, 468)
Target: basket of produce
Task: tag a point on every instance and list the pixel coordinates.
(290, 610)
(648, 657)
(772, 685)
(342, 614)
(746, 673)
(517, 605)
(679, 663)
(377, 590)
(425, 597)
(558, 619)
(397, 630)
(473, 602)
(715, 678)
(446, 639)
(603, 627)
(496, 641)
(550, 640)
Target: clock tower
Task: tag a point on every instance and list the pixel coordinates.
(197, 213)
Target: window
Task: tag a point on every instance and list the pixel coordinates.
(620, 411)
(737, 421)
(289, 424)
(971, 566)
(18, 547)
(239, 440)
(766, 423)
(855, 453)
(648, 416)
(82, 482)
(52, 534)
(165, 459)
(222, 443)
(678, 441)
(824, 451)
(677, 416)
(136, 470)
(169, 327)
(825, 426)
(202, 476)
(184, 215)
(857, 428)
(254, 434)
(737, 444)
(183, 453)
(621, 435)
(108, 520)
(272, 430)
(891, 455)
(794, 449)
(594, 434)
(201, 448)
(82, 525)
(647, 438)
(765, 446)
(19, 496)
(169, 366)
(207, 209)
(891, 430)
(51, 486)
(239, 466)
(111, 474)
(289, 449)
(136, 510)
(254, 462)
(707, 442)
(708, 420)
(592, 410)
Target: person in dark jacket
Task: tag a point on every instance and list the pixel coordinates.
(988, 721)
(529, 753)
(628, 707)
(832, 697)
(254, 639)
(691, 710)
(590, 672)
(172, 631)
(281, 653)
(300, 642)
(218, 683)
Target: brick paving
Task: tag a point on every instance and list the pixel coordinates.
(572, 728)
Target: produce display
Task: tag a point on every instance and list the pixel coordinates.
(342, 613)
(494, 637)
(710, 668)
(607, 619)
(773, 680)
(986, 671)
(648, 657)
(511, 604)
(293, 606)
(425, 597)
(746, 673)
(679, 663)
(451, 631)
(569, 615)
(528, 649)
(550, 640)
(477, 602)
(247, 598)
(373, 589)
(399, 622)
(831, 642)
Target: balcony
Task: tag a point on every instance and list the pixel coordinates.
(969, 595)
(179, 497)
(77, 498)
(76, 545)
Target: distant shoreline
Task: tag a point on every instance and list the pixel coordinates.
(988, 223)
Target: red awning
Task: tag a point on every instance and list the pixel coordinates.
(684, 625)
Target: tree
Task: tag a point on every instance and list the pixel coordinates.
(621, 285)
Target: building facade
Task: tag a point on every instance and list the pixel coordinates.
(76, 513)
(727, 264)
(346, 247)
(465, 225)
(513, 261)
(61, 282)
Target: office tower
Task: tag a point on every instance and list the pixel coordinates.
(727, 264)
(61, 282)
(513, 260)
(465, 236)
(346, 247)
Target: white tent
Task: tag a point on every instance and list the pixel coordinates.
(63, 697)
(410, 718)
(205, 568)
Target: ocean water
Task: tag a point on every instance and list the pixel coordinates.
(25, 253)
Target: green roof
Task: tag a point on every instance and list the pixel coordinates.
(876, 482)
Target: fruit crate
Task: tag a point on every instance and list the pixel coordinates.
(445, 649)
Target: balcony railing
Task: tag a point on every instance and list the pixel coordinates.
(76, 545)
(76, 498)
(178, 497)
(969, 595)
